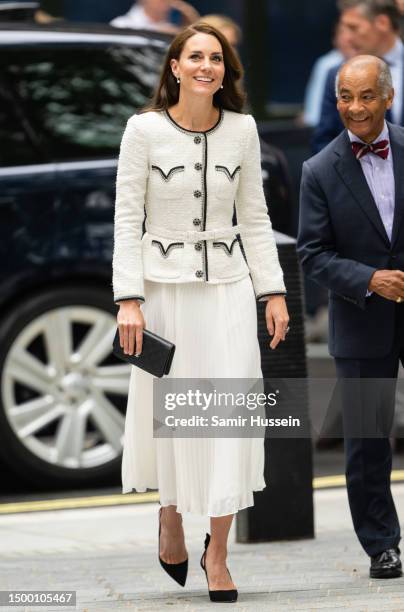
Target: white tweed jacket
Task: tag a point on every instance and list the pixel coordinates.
(184, 184)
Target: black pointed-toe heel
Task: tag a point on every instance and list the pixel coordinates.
(177, 571)
(225, 596)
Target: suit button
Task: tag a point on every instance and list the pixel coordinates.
(196, 221)
(199, 273)
(197, 140)
(198, 246)
(197, 193)
(198, 166)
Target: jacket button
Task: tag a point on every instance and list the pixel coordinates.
(198, 246)
(197, 193)
(199, 273)
(198, 166)
(196, 221)
(197, 140)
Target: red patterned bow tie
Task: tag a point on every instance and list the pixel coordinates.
(380, 148)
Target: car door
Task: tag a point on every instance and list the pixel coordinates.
(27, 188)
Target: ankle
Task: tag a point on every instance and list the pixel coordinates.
(170, 518)
(216, 554)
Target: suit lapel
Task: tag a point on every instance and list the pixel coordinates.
(351, 173)
(397, 149)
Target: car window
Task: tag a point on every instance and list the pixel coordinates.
(16, 148)
(78, 100)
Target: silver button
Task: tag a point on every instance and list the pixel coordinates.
(196, 221)
(197, 193)
(198, 246)
(199, 273)
(197, 140)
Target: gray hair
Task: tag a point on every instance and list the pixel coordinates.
(384, 81)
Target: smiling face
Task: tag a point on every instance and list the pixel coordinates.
(360, 99)
(200, 66)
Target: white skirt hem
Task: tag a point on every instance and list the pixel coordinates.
(219, 508)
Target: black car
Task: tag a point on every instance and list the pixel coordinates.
(65, 95)
(18, 11)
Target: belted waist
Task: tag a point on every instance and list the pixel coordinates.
(193, 235)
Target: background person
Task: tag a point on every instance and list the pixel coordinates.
(374, 28)
(227, 26)
(184, 163)
(155, 15)
(351, 241)
(400, 6)
(49, 11)
(343, 50)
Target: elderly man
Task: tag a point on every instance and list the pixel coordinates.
(371, 27)
(155, 15)
(351, 241)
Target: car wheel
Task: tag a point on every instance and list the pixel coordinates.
(63, 392)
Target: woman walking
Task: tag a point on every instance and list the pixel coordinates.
(185, 161)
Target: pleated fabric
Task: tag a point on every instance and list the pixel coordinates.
(214, 328)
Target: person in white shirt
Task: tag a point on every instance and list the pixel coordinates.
(155, 15)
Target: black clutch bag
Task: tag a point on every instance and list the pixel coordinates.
(156, 356)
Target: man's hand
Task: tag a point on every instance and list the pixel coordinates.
(277, 318)
(388, 283)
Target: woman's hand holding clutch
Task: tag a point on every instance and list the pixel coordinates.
(277, 318)
(130, 324)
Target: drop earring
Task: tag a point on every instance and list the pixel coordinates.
(178, 80)
(221, 87)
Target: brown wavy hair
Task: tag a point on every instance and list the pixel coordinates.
(231, 97)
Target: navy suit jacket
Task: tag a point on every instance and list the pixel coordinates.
(330, 124)
(342, 242)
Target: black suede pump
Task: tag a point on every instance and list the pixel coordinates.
(177, 571)
(228, 596)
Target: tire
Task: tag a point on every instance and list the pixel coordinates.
(62, 392)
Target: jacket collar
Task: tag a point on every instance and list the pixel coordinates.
(193, 132)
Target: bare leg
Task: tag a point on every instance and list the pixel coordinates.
(172, 541)
(215, 560)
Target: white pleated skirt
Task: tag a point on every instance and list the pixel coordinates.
(214, 328)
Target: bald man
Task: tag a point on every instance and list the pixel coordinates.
(351, 241)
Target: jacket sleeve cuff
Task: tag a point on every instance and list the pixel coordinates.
(263, 297)
(140, 298)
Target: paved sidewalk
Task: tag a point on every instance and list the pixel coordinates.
(109, 556)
